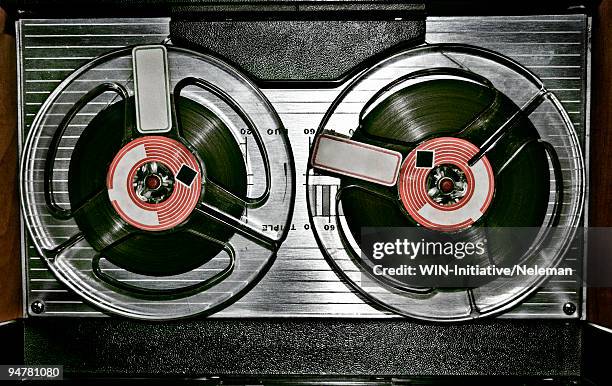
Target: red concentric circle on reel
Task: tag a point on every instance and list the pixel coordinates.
(412, 185)
(177, 206)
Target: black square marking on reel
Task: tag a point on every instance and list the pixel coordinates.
(186, 175)
(424, 159)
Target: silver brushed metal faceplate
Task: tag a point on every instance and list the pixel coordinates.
(301, 283)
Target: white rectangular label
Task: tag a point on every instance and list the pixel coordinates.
(152, 89)
(357, 159)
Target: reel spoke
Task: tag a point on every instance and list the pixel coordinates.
(217, 195)
(239, 226)
(51, 254)
(386, 193)
(221, 205)
(106, 230)
(503, 130)
(474, 310)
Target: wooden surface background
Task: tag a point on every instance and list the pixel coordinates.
(10, 260)
(599, 300)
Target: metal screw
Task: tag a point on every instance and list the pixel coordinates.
(38, 307)
(569, 308)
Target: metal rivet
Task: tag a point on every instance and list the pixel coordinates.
(569, 308)
(38, 307)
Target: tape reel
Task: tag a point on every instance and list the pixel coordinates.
(475, 152)
(147, 212)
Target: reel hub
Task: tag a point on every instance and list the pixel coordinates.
(447, 194)
(154, 183)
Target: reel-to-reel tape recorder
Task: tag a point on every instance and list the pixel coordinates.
(160, 181)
